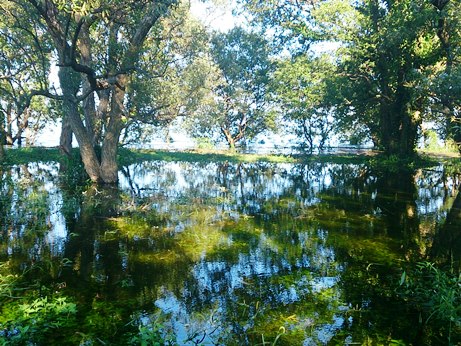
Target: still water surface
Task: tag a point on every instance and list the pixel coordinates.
(229, 254)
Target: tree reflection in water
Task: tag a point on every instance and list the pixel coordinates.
(234, 253)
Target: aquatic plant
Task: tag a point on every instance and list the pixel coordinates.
(28, 317)
(436, 295)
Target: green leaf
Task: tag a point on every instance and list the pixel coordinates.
(403, 278)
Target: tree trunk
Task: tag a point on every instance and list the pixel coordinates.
(102, 114)
(73, 119)
(230, 140)
(307, 132)
(407, 124)
(2, 129)
(89, 105)
(400, 134)
(19, 133)
(9, 127)
(2, 138)
(65, 139)
(399, 126)
(109, 166)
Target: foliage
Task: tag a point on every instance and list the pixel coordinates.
(30, 154)
(384, 73)
(95, 56)
(36, 320)
(28, 317)
(174, 77)
(204, 143)
(305, 92)
(436, 295)
(24, 62)
(290, 22)
(395, 63)
(238, 109)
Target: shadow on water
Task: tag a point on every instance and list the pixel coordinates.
(224, 253)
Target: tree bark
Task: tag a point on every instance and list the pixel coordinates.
(109, 166)
(398, 126)
(2, 129)
(65, 139)
(230, 140)
(2, 141)
(89, 104)
(9, 128)
(72, 117)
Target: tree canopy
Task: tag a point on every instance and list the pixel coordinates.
(238, 108)
(395, 65)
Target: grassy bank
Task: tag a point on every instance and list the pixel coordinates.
(126, 157)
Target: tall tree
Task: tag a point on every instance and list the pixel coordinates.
(388, 53)
(305, 90)
(445, 76)
(238, 108)
(81, 31)
(384, 68)
(24, 66)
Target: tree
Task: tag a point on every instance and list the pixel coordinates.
(304, 88)
(98, 45)
(290, 24)
(238, 106)
(388, 55)
(173, 76)
(385, 72)
(445, 76)
(24, 64)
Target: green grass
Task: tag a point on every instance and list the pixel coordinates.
(127, 156)
(132, 156)
(370, 158)
(36, 154)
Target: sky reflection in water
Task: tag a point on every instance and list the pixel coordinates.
(230, 253)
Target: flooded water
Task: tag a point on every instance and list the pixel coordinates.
(223, 254)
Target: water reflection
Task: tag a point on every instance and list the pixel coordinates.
(234, 253)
